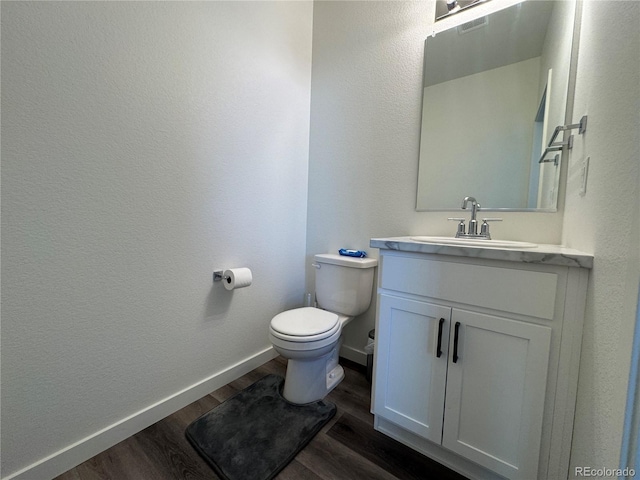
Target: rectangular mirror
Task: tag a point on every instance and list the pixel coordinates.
(495, 88)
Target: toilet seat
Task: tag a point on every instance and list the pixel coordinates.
(307, 324)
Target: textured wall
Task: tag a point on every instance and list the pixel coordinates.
(606, 221)
(366, 106)
(143, 144)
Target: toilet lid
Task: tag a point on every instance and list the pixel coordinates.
(305, 322)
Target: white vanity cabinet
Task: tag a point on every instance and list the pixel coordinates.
(495, 392)
(476, 361)
(411, 389)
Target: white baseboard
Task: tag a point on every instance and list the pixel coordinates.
(353, 354)
(76, 453)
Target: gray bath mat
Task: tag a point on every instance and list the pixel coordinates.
(256, 433)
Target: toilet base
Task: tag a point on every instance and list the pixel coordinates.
(310, 380)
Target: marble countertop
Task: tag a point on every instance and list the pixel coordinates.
(545, 254)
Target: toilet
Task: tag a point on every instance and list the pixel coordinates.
(309, 337)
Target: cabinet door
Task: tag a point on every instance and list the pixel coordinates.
(410, 375)
(495, 392)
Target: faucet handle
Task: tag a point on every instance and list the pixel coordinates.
(484, 228)
(460, 230)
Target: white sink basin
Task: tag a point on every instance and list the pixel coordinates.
(474, 242)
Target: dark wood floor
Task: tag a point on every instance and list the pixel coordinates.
(346, 448)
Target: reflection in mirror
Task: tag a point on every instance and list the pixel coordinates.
(445, 8)
(495, 88)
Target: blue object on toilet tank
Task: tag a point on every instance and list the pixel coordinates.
(352, 253)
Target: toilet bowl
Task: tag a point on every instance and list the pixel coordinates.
(310, 338)
(312, 351)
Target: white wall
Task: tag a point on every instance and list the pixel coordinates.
(143, 144)
(366, 106)
(606, 221)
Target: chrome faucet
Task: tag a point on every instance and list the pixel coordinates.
(473, 223)
(472, 231)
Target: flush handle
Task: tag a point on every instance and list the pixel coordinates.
(439, 348)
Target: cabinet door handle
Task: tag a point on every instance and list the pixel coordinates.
(456, 331)
(439, 349)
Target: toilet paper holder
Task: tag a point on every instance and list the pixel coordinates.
(234, 278)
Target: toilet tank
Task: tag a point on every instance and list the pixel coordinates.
(344, 284)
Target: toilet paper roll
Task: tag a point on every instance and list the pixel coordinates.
(237, 278)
